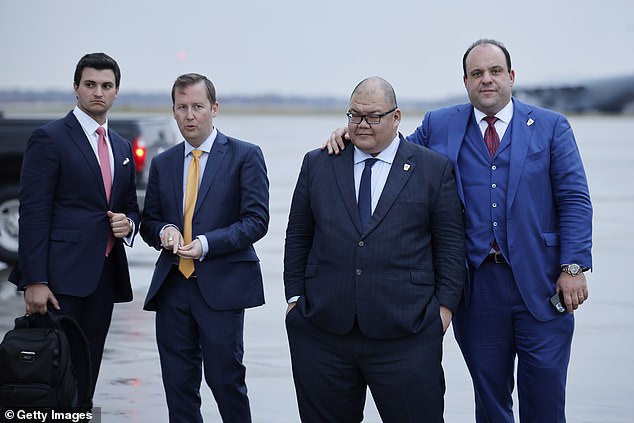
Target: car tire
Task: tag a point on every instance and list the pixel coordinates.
(9, 223)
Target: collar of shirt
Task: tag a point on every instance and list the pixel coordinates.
(88, 124)
(386, 156)
(380, 170)
(205, 146)
(504, 119)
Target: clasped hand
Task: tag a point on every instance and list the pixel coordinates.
(172, 239)
(119, 224)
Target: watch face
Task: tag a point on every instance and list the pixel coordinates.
(574, 269)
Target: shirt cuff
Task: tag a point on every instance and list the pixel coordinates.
(130, 237)
(205, 244)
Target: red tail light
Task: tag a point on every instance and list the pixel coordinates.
(140, 153)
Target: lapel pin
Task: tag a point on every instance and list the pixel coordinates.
(126, 161)
(529, 122)
(406, 167)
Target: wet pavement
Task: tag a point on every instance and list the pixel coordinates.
(600, 388)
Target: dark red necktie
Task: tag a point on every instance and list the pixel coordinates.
(492, 140)
(106, 174)
(491, 137)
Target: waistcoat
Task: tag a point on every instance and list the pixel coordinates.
(484, 183)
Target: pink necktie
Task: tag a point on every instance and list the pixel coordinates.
(491, 137)
(106, 174)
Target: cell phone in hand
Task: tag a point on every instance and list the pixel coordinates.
(557, 301)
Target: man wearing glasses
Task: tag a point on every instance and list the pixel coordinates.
(373, 270)
(528, 216)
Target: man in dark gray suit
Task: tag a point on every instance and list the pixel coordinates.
(374, 267)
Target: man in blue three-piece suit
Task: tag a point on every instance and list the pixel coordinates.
(77, 204)
(206, 205)
(374, 267)
(529, 234)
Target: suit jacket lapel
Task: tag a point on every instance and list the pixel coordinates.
(455, 137)
(176, 169)
(343, 166)
(78, 137)
(216, 155)
(119, 155)
(401, 169)
(521, 135)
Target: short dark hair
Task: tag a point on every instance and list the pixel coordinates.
(193, 78)
(486, 41)
(99, 61)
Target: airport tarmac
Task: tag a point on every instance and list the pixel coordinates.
(130, 389)
(600, 388)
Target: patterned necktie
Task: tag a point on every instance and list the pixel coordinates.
(186, 266)
(365, 193)
(492, 140)
(491, 137)
(106, 175)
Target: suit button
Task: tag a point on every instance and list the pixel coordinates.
(358, 272)
(361, 243)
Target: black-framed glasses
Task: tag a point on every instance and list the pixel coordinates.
(356, 118)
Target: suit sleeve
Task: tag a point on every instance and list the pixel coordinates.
(572, 197)
(152, 221)
(38, 180)
(253, 221)
(131, 205)
(420, 134)
(448, 241)
(299, 235)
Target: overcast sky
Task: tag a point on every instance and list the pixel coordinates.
(313, 48)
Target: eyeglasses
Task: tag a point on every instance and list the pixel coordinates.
(370, 119)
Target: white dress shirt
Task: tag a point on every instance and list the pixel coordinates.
(380, 170)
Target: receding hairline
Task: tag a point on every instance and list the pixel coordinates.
(374, 85)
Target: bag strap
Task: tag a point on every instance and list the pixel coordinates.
(29, 321)
(80, 351)
(81, 359)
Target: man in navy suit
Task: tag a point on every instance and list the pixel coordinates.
(529, 235)
(77, 208)
(371, 292)
(200, 311)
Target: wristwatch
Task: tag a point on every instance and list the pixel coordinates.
(572, 269)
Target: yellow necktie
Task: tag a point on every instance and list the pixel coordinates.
(186, 266)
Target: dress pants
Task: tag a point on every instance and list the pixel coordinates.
(94, 314)
(332, 373)
(492, 330)
(191, 335)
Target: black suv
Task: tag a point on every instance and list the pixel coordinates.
(148, 136)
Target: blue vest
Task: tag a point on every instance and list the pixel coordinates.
(484, 183)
